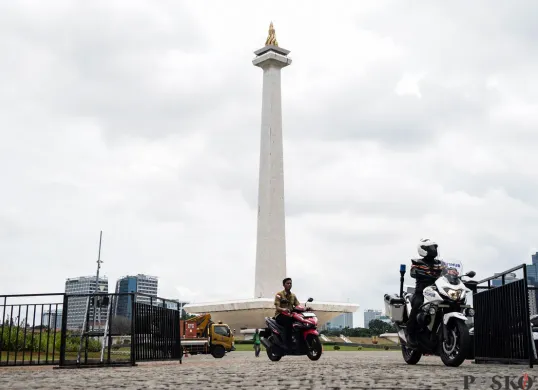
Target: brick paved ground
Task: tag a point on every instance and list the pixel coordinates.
(241, 370)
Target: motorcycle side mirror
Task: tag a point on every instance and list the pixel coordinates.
(471, 274)
(310, 299)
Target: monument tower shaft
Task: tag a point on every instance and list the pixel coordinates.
(271, 235)
(246, 315)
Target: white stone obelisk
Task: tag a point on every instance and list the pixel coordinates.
(271, 238)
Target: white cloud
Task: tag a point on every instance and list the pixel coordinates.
(142, 119)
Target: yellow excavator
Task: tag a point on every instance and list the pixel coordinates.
(213, 338)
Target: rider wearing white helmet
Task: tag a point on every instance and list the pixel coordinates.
(426, 271)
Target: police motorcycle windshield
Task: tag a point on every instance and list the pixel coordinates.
(452, 271)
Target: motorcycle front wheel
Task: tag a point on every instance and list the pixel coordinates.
(272, 356)
(454, 348)
(314, 348)
(411, 356)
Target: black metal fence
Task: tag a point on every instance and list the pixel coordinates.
(78, 330)
(157, 335)
(30, 330)
(502, 330)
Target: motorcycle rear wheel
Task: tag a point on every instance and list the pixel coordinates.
(314, 348)
(411, 356)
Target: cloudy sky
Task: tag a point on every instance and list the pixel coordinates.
(402, 120)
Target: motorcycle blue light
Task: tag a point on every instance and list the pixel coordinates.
(402, 267)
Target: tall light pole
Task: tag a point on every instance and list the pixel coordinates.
(97, 280)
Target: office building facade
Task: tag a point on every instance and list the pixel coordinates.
(52, 319)
(532, 281)
(177, 304)
(77, 306)
(370, 315)
(340, 322)
(142, 284)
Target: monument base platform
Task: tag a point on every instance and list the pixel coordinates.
(251, 313)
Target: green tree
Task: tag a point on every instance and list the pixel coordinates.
(378, 327)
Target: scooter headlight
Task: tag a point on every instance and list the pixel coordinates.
(432, 310)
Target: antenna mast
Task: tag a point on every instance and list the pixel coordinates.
(97, 279)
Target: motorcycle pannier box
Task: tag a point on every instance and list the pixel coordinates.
(394, 307)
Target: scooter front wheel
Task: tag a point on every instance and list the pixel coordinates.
(272, 356)
(411, 356)
(314, 348)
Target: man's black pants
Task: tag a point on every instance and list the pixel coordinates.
(285, 322)
(418, 300)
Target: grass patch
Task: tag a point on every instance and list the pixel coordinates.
(247, 347)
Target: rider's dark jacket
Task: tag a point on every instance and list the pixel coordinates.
(425, 271)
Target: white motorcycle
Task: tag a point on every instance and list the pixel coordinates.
(442, 328)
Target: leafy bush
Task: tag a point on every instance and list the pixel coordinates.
(386, 348)
(359, 348)
(336, 347)
(41, 340)
(72, 344)
(14, 339)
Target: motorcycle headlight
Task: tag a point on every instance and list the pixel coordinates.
(454, 294)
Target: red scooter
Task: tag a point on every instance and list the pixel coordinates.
(305, 337)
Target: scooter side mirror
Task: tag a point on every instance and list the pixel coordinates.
(310, 299)
(471, 274)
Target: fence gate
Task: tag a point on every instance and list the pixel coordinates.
(502, 325)
(156, 335)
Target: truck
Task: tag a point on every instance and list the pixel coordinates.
(200, 335)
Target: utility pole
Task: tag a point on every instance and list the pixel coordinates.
(97, 280)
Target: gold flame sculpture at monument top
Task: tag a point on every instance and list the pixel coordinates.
(271, 39)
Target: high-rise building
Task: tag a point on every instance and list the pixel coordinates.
(533, 309)
(52, 319)
(370, 315)
(508, 278)
(176, 304)
(340, 322)
(77, 306)
(531, 282)
(142, 284)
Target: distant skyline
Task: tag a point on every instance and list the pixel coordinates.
(401, 121)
